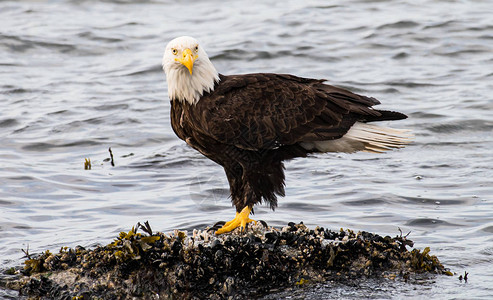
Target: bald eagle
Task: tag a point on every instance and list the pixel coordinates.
(249, 124)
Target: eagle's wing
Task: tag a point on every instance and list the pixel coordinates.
(265, 111)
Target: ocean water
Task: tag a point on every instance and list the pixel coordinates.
(79, 77)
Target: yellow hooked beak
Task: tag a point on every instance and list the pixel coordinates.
(187, 59)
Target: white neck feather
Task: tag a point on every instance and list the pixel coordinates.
(183, 86)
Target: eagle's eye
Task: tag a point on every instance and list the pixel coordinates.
(196, 48)
(174, 51)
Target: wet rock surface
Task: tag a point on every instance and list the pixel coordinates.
(201, 265)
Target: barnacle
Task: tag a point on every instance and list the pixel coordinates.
(240, 265)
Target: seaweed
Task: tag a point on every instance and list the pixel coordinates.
(111, 157)
(150, 264)
(87, 164)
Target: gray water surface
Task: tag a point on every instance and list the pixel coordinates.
(78, 77)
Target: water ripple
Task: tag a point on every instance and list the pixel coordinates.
(80, 77)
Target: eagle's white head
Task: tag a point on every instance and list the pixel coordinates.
(189, 71)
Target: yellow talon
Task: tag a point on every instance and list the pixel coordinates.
(241, 219)
(229, 222)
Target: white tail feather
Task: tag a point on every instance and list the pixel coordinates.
(364, 137)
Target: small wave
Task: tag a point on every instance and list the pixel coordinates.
(365, 202)
(125, 24)
(324, 6)
(488, 229)
(232, 54)
(8, 65)
(8, 123)
(352, 85)
(21, 178)
(410, 84)
(111, 107)
(441, 24)
(93, 37)
(427, 222)
(438, 201)
(425, 115)
(160, 162)
(148, 70)
(300, 206)
(22, 44)
(398, 25)
(60, 112)
(445, 51)
(5, 203)
(239, 54)
(48, 146)
(401, 55)
(464, 125)
(484, 28)
(9, 89)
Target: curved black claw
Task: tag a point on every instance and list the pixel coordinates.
(263, 223)
(216, 226)
(220, 223)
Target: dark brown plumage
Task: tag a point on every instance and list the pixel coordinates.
(250, 124)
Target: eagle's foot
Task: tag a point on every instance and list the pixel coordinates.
(241, 219)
